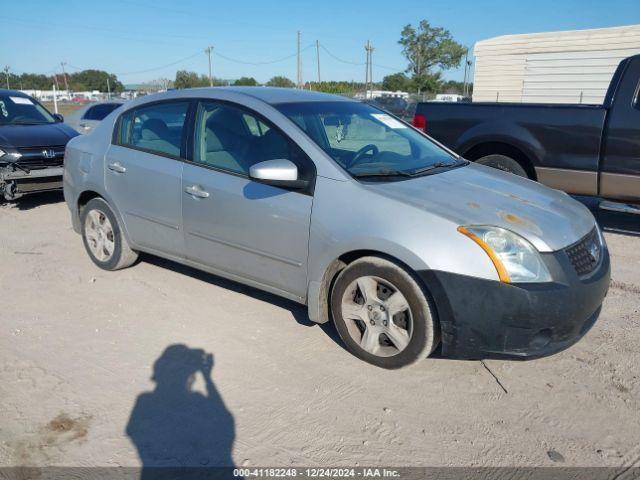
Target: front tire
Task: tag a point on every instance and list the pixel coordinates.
(504, 163)
(382, 314)
(102, 236)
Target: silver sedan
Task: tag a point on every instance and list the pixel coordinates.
(340, 206)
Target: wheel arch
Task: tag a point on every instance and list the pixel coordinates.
(501, 148)
(318, 299)
(89, 194)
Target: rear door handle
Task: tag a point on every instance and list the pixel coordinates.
(117, 167)
(196, 191)
(84, 126)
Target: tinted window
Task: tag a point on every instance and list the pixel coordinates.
(19, 110)
(98, 112)
(232, 139)
(157, 128)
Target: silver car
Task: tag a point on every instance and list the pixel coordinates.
(335, 204)
(87, 117)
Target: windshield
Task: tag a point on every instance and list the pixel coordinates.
(16, 110)
(366, 141)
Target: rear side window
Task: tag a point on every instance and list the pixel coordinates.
(98, 112)
(155, 129)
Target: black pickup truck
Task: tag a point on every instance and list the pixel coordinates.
(32, 143)
(587, 150)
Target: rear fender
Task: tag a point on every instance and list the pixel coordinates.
(502, 132)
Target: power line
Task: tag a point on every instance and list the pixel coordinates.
(338, 58)
(148, 69)
(266, 62)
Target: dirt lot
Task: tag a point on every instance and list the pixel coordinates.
(80, 347)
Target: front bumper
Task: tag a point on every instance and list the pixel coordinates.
(14, 182)
(488, 319)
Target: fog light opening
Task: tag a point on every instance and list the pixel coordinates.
(541, 339)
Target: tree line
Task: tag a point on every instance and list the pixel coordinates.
(85, 80)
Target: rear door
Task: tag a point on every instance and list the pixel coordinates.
(143, 175)
(235, 225)
(620, 170)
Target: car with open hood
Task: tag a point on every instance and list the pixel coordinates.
(337, 205)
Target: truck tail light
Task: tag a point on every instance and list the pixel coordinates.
(420, 121)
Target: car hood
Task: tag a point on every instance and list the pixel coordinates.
(17, 136)
(478, 195)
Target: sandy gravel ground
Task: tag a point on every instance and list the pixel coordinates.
(78, 347)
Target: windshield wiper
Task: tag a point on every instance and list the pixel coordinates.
(383, 173)
(433, 167)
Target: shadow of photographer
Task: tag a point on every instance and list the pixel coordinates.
(179, 432)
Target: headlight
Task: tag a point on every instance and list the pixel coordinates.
(9, 156)
(515, 259)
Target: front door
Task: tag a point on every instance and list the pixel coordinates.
(235, 225)
(620, 171)
(143, 175)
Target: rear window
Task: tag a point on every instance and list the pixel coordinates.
(99, 112)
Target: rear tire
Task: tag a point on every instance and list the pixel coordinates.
(504, 163)
(103, 239)
(382, 314)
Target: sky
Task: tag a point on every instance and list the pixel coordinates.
(143, 40)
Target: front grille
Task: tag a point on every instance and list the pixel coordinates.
(41, 157)
(585, 254)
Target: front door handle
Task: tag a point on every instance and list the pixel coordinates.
(196, 191)
(117, 167)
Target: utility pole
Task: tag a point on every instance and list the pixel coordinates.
(466, 66)
(108, 89)
(299, 63)
(64, 74)
(366, 70)
(368, 77)
(371, 68)
(318, 57)
(55, 80)
(467, 91)
(6, 75)
(208, 51)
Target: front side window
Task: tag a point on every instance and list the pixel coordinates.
(232, 139)
(18, 110)
(156, 128)
(367, 141)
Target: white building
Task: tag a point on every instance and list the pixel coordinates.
(555, 67)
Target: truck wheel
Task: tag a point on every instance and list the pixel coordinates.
(504, 163)
(382, 314)
(103, 238)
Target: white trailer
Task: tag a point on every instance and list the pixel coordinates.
(555, 67)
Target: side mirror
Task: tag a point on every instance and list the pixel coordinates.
(279, 173)
(59, 118)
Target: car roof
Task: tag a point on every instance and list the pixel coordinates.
(268, 95)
